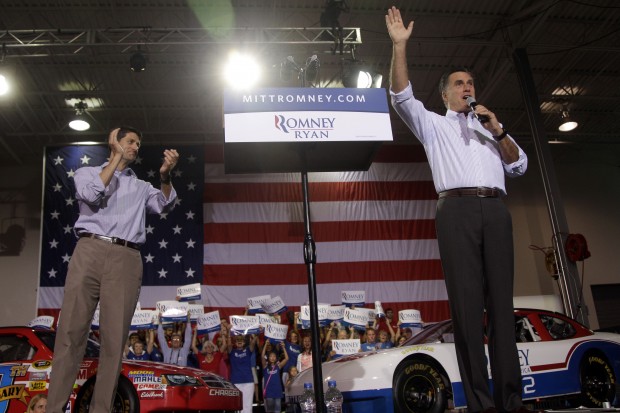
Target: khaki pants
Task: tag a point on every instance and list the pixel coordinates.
(104, 273)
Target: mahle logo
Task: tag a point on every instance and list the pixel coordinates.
(305, 127)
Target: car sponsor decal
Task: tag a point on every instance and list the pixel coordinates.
(36, 385)
(8, 389)
(37, 376)
(41, 364)
(152, 394)
(143, 376)
(151, 386)
(415, 349)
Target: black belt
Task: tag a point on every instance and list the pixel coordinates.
(111, 240)
(480, 192)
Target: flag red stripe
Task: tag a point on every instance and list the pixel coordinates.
(318, 191)
(338, 272)
(321, 231)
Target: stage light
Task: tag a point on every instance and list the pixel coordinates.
(4, 85)
(79, 122)
(137, 61)
(241, 71)
(4, 82)
(567, 124)
(361, 78)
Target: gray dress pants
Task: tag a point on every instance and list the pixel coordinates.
(104, 273)
(476, 248)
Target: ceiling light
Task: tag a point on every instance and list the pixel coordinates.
(567, 123)
(79, 122)
(241, 71)
(4, 85)
(137, 61)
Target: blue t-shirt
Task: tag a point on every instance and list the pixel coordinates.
(368, 346)
(293, 351)
(272, 383)
(241, 366)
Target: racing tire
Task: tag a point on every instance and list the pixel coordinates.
(598, 381)
(419, 388)
(125, 399)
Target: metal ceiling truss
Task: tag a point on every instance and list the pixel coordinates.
(48, 42)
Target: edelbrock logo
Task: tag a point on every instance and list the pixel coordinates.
(152, 394)
(305, 128)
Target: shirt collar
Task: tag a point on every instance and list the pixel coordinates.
(455, 115)
(126, 171)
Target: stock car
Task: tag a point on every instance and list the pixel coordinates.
(561, 361)
(143, 386)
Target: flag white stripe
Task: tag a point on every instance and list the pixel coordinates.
(378, 172)
(262, 212)
(292, 253)
(295, 295)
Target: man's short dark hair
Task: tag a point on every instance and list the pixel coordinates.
(443, 81)
(124, 130)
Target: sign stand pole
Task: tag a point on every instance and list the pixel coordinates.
(310, 260)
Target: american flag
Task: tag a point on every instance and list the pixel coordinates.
(172, 254)
(374, 231)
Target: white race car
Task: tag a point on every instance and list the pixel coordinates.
(559, 357)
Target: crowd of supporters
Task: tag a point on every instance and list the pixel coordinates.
(259, 367)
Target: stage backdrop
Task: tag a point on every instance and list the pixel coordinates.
(241, 236)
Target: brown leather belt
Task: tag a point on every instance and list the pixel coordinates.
(111, 240)
(480, 192)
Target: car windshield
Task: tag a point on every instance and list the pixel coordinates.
(48, 338)
(441, 332)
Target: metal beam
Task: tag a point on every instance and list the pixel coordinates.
(76, 41)
(570, 285)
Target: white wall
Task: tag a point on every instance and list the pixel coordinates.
(589, 180)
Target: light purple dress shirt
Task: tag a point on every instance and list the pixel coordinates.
(118, 210)
(461, 153)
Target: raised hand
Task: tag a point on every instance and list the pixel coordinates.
(396, 28)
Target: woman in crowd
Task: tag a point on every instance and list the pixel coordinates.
(241, 367)
(304, 361)
(136, 349)
(37, 404)
(293, 349)
(209, 358)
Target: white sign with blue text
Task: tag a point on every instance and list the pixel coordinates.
(306, 115)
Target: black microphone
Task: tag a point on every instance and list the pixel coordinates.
(472, 104)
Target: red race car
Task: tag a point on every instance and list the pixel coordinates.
(143, 386)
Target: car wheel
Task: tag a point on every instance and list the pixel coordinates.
(419, 388)
(125, 399)
(598, 382)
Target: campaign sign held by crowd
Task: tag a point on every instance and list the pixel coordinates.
(208, 323)
(190, 292)
(243, 324)
(353, 298)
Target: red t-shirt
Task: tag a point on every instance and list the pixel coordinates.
(213, 366)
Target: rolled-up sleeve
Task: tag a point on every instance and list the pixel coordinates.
(89, 187)
(157, 203)
(518, 167)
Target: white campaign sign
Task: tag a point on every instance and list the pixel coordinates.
(344, 347)
(190, 292)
